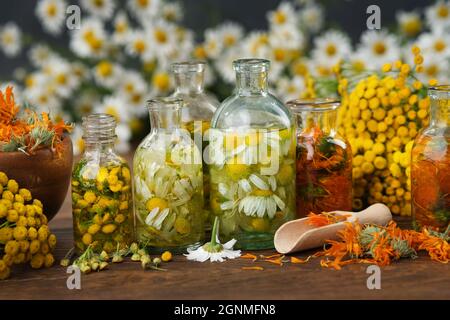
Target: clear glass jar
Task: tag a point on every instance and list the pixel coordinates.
(101, 190)
(198, 109)
(324, 158)
(430, 165)
(252, 160)
(168, 182)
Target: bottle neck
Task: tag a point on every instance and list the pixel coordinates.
(189, 82)
(99, 132)
(440, 110)
(165, 119)
(251, 83)
(315, 123)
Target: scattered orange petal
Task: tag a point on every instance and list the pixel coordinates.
(253, 268)
(249, 256)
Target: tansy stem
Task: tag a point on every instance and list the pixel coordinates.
(214, 231)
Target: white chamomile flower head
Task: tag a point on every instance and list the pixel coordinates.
(10, 39)
(102, 9)
(115, 106)
(107, 74)
(410, 23)
(39, 54)
(212, 44)
(214, 250)
(438, 15)
(52, 14)
(290, 89)
(121, 28)
(171, 11)
(378, 48)
(77, 140)
(225, 64)
(286, 37)
(256, 44)
(434, 67)
(162, 38)
(311, 17)
(90, 40)
(284, 15)
(123, 133)
(437, 43)
(133, 89)
(230, 33)
(138, 45)
(144, 9)
(330, 48)
(63, 79)
(161, 82)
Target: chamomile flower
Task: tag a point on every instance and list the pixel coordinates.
(107, 74)
(286, 37)
(289, 89)
(434, 67)
(138, 44)
(437, 43)
(410, 23)
(171, 11)
(63, 79)
(438, 15)
(330, 48)
(52, 14)
(214, 250)
(378, 48)
(162, 38)
(10, 39)
(256, 44)
(161, 82)
(133, 89)
(230, 34)
(121, 28)
(144, 9)
(225, 64)
(102, 9)
(77, 140)
(123, 133)
(90, 40)
(116, 106)
(212, 45)
(284, 15)
(39, 54)
(311, 17)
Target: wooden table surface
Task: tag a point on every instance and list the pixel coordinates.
(406, 279)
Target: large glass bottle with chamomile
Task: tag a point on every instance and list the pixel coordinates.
(198, 109)
(324, 158)
(430, 165)
(252, 160)
(101, 190)
(168, 183)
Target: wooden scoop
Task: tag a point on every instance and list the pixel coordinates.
(298, 235)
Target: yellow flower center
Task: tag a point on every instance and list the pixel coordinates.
(160, 36)
(229, 40)
(442, 11)
(432, 70)
(439, 46)
(136, 98)
(412, 27)
(80, 144)
(262, 193)
(161, 81)
(279, 54)
(92, 40)
(121, 27)
(379, 48)
(139, 46)
(129, 87)
(99, 3)
(156, 203)
(331, 49)
(61, 78)
(358, 65)
(279, 17)
(51, 10)
(111, 110)
(7, 38)
(200, 52)
(29, 81)
(104, 69)
(142, 3)
(170, 15)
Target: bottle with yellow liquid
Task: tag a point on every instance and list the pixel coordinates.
(198, 109)
(252, 160)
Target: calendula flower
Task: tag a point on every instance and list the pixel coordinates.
(102, 9)
(52, 14)
(214, 250)
(10, 39)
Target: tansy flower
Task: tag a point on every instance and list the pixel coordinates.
(52, 14)
(214, 250)
(102, 9)
(10, 39)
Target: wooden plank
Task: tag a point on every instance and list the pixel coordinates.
(407, 279)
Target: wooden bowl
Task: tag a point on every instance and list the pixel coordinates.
(45, 174)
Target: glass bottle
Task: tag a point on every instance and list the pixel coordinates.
(198, 109)
(430, 165)
(101, 190)
(324, 158)
(252, 160)
(168, 182)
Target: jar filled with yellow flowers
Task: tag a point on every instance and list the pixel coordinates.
(168, 183)
(430, 166)
(101, 190)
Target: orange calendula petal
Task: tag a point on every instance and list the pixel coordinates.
(249, 256)
(253, 268)
(271, 257)
(298, 260)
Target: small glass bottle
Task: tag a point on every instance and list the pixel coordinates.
(324, 159)
(101, 190)
(198, 109)
(430, 165)
(252, 155)
(168, 182)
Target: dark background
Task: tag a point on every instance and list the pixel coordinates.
(347, 15)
